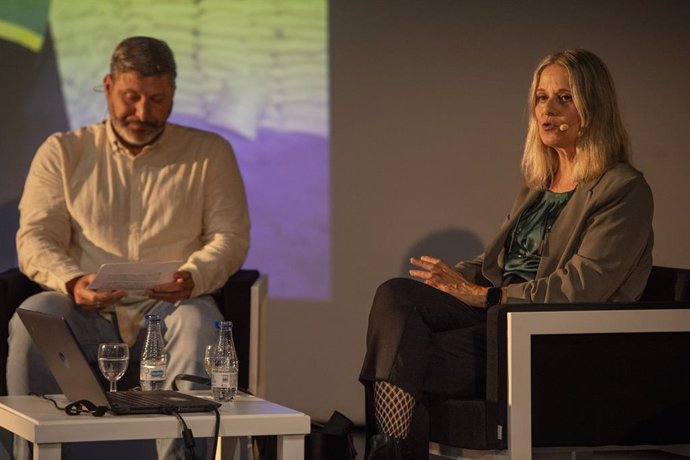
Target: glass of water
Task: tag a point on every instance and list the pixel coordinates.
(113, 359)
(209, 352)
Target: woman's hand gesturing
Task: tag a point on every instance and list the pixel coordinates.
(438, 274)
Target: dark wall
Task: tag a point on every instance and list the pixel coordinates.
(32, 108)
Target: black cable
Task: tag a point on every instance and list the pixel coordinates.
(76, 407)
(200, 380)
(207, 382)
(84, 405)
(48, 399)
(187, 435)
(190, 378)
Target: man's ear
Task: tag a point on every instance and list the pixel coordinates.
(107, 84)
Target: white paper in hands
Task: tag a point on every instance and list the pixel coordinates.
(129, 276)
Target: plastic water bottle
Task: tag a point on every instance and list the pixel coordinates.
(224, 368)
(154, 360)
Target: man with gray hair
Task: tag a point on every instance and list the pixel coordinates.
(131, 188)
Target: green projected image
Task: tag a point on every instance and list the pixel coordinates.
(24, 22)
(254, 71)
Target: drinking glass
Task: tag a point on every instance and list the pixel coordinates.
(208, 358)
(113, 359)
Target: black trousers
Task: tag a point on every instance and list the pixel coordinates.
(428, 343)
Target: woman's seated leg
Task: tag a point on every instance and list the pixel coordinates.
(405, 319)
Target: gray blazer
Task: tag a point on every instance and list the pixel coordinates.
(599, 249)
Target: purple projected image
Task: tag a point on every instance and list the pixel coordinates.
(254, 72)
(289, 201)
(286, 176)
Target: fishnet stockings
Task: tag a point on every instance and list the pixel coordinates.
(393, 407)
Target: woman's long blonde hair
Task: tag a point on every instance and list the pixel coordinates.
(603, 140)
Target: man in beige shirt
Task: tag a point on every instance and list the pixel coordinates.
(131, 188)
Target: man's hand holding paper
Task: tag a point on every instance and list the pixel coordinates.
(160, 281)
(90, 299)
(132, 276)
(180, 288)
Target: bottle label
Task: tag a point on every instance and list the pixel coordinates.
(223, 380)
(152, 372)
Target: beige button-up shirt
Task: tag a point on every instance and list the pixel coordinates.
(88, 201)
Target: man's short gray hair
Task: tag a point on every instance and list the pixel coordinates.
(146, 55)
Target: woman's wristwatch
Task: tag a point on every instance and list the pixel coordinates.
(493, 296)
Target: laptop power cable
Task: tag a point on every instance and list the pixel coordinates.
(188, 436)
(77, 407)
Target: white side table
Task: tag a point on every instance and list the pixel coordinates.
(38, 421)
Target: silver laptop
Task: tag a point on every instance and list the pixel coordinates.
(61, 352)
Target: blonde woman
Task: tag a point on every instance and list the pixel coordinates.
(580, 230)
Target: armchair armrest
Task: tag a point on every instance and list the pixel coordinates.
(589, 374)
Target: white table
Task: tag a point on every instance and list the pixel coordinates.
(38, 421)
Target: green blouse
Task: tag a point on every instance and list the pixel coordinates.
(524, 248)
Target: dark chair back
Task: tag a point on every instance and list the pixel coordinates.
(15, 287)
(667, 284)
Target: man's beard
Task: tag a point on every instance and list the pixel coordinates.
(137, 138)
